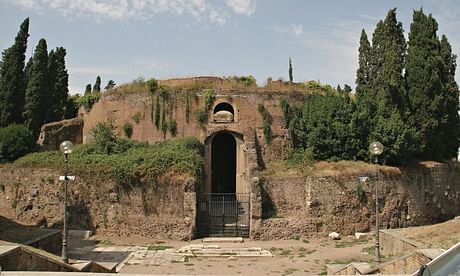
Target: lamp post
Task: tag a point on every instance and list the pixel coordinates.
(376, 148)
(66, 148)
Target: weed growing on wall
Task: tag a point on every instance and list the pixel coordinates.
(88, 100)
(128, 129)
(267, 129)
(137, 117)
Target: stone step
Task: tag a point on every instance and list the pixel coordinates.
(223, 239)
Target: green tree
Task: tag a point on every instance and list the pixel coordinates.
(322, 126)
(290, 70)
(12, 79)
(15, 141)
(387, 63)
(450, 128)
(97, 85)
(28, 70)
(58, 81)
(426, 89)
(37, 88)
(88, 89)
(365, 98)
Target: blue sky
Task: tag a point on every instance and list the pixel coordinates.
(126, 39)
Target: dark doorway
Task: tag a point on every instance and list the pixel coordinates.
(223, 164)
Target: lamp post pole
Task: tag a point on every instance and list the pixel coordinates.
(376, 148)
(64, 231)
(377, 224)
(66, 148)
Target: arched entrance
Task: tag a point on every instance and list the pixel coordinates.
(223, 164)
(223, 201)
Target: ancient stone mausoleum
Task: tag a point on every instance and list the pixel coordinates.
(231, 128)
(242, 128)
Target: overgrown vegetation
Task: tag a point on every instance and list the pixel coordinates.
(267, 122)
(123, 160)
(15, 141)
(201, 114)
(137, 117)
(128, 129)
(406, 98)
(88, 100)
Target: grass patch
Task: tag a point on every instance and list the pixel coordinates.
(285, 253)
(105, 242)
(158, 247)
(290, 271)
(305, 241)
(343, 244)
(344, 261)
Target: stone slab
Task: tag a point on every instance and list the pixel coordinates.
(223, 239)
(84, 234)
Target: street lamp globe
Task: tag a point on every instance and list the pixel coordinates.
(376, 148)
(66, 147)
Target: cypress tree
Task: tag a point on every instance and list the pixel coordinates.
(27, 70)
(52, 76)
(387, 62)
(450, 121)
(97, 85)
(424, 81)
(110, 84)
(88, 89)
(58, 79)
(362, 74)
(37, 88)
(290, 70)
(362, 120)
(12, 80)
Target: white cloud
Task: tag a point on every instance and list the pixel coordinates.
(297, 29)
(201, 10)
(246, 7)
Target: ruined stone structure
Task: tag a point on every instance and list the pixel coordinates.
(233, 199)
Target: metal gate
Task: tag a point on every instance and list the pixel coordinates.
(223, 215)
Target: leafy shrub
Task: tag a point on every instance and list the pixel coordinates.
(152, 85)
(209, 97)
(248, 80)
(201, 116)
(104, 140)
(88, 100)
(300, 158)
(172, 127)
(137, 117)
(360, 193)
(128, 129)
(15, 141)
(267, 129)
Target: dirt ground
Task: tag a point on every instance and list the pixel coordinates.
(290, 257)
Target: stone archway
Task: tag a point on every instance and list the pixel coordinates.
(223, 203)
(223, 163)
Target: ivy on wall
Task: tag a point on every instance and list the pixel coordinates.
(267, 125)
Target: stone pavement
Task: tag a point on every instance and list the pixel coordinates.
(148, 256)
